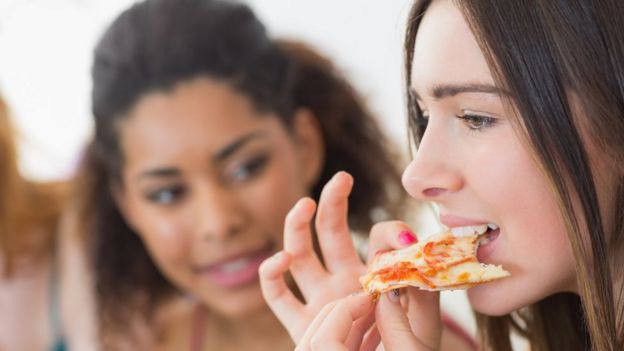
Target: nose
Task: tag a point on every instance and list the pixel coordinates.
(219, 215)
(433, 174)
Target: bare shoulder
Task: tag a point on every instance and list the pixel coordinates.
(77, 298)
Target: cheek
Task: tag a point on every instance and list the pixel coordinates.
(513, 186)
(533, 245)
(530, 209)
(165, 239)
(271, 198)
(165, 235)
(541, 238)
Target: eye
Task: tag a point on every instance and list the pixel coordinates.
(166, 195)
(476, 122)
(418, 124)
(422, 120)
(249, 169)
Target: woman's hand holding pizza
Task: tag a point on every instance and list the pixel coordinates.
(407, 322)
(409, 318)
(332, 316)
(319, 282)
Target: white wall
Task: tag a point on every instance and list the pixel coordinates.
(45, 53)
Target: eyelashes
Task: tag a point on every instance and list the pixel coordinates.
(476, 122)
(242, 173)
(167, 195)
(473, 122)
(249, 169)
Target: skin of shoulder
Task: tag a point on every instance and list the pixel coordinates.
(76, 286)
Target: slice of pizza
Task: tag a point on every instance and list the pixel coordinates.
(442, 262)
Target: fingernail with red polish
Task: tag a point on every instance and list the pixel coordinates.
(406, 237)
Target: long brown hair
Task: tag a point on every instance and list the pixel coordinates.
(157, 44)
(29, 211)
(551, 56)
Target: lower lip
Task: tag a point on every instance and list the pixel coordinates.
(484, 251)
(242, 276)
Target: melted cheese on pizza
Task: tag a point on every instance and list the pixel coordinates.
(442, 262)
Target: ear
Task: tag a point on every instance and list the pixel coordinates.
(311, 147)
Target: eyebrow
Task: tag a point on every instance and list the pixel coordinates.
(159, 173)
(234, 146)
(220, 155)
(449, 90)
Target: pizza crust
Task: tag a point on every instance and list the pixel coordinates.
(443, 262)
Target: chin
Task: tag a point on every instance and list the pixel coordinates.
(238, 304)
(491, 300)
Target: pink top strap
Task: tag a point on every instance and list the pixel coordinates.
(458, 330)
(198, 328)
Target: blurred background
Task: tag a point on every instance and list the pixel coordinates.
(46, 49)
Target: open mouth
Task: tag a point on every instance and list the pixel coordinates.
(490, 235)
(486, 232)
(237, 271)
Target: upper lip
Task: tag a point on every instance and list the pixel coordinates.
(453, 221)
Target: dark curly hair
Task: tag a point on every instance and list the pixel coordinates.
(157, 44)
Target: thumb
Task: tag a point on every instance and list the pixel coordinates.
(394, 326)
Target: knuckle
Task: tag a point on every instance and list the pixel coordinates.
(300, 255)
(330, 226)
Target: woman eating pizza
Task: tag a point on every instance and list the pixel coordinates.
(517, 110)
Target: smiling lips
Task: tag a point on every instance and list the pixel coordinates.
(237, 271)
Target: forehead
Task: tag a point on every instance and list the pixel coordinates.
(196, 116)
(188, 104)
(446, 51)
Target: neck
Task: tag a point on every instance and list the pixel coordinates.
(258, 331)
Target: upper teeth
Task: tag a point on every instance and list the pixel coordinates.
(472, 230)
(235, 265)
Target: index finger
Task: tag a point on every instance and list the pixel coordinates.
(331, 224)
(341, 320)
(390, 235)
(305, 266)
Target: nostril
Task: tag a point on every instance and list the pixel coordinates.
(432, 192)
